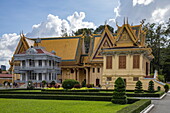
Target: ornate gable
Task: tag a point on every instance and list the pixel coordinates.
(125, 37)
(104, 42)
(22, 45)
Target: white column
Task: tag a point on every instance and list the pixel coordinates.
(20, 77)
(26, 76)
(43, 76)
(37, 76)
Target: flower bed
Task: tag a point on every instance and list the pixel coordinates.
(83, 89)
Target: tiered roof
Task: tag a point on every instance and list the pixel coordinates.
(71, 49)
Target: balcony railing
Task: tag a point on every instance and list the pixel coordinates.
(36, 68)
(35, 81)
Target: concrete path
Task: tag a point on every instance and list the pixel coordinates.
(161, 106)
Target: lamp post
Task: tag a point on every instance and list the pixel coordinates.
(107, 84)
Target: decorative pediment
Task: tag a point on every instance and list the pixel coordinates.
(22, 45)
(125, 37)
(104, 42)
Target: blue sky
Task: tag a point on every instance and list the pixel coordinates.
(17, 15)
(46, 18)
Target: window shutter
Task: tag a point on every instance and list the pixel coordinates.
(108, 62)
(122, 62)
(136, 60)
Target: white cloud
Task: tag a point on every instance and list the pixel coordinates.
(54, 26)
(144, 2)
(8, 43)
(154, 11)
(158, 15)
(116, 11)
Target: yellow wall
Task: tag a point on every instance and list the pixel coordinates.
(127, 73)
(129, 67)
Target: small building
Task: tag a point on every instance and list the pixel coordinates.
(3, 67)
(5, 78)
(36, 64)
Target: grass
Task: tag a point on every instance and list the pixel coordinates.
(59, 106)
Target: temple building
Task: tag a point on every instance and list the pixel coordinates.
(111, 55)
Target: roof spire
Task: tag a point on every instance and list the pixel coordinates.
(117, 24)
(127, 21)
(105, 23)
(142, 21)
(124, 20)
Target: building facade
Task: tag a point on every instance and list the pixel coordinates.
(36, 64)
(111, 55)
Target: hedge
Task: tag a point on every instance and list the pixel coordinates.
(136, 107)
(63, 97)
(157, 94)
(56, 97)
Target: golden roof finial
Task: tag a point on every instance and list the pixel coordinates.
(117, 24)
(124, 20)
(127, 21)
(105, 24)
(84, 32)
(143, 21)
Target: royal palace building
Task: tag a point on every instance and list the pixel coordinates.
(111, 55)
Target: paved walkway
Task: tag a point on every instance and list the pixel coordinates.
(161, 106)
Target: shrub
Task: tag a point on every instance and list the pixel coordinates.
(83, 84)
(158, 88)
(99, 85)
(138, 88)
(119, 95)
(166, 87)
(136, 107)
(30, 85)
(77, 86)
(5, 82)
(151, 87)
(89, 85)
(69, 83)
(52, 83)
(161, 78)
(44, 82)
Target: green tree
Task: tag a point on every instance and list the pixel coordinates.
(100, 29)
(166, 87)
(166, 66)
(86, 32)
(138, 88)
(119, 94)
(151, 87)
(155, 39)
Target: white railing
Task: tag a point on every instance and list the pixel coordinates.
(35, 68)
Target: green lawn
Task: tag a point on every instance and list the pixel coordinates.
(56, 106)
